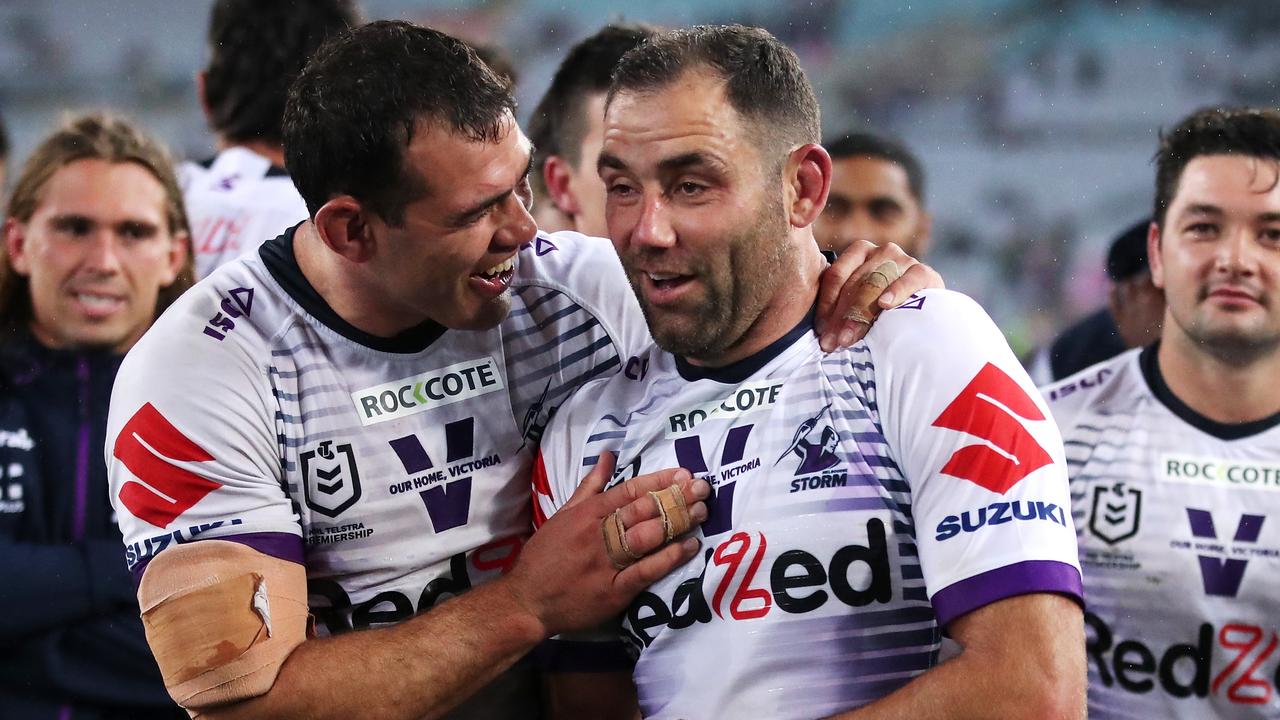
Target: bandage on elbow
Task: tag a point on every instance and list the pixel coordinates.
(221, 618)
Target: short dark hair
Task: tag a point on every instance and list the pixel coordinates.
(354, 108)
(256, 50)
(852, 145)
(559, 122)
(500, 62)
(764, 81)
(1248, 132)
(1127, 256)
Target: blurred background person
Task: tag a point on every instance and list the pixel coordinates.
(243, 196)
(4, 157)
(877, 194)
(1132, 317)
(96, 246)
(567, 129)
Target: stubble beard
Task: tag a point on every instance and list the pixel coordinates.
(734, 301)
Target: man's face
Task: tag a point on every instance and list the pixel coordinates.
(871, 200)
(584, 181)
(96, 251)
(452, 258)
(696, 218)
(1218, 254)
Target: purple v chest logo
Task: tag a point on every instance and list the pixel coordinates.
(1222, 576)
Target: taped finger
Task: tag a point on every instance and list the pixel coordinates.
(865, 307)
(615, 541)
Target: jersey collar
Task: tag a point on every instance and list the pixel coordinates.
(278, 256)
(1147, 361)
(737, 372)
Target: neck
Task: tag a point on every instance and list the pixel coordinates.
(270, 151)
(796, 283)
(1221, 391)
(344, 288)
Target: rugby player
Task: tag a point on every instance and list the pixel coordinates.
(243, 195)
(1174, 449)
(350, 428)
(877, 195)
(865, 500)
(96, 246)
(567, 125)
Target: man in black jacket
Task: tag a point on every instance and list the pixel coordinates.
(95, 246)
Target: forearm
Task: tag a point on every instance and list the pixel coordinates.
(418, 669)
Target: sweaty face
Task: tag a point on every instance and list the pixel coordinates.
(452, 258)
(694, 213)
(96, 251)
(1218, 254)
(871, 200)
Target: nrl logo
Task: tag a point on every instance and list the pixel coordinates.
(1116, 513)
(330, 478)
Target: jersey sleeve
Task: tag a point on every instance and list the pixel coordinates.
(990, 503)
(192, 450)
(587, 269)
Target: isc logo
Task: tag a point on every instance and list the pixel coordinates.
(796, 582)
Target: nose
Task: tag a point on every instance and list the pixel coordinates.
(518, 227)
(1237, 254)
(102, 253)
(653, 226)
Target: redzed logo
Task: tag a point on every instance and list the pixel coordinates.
(149, 445)
(986, 409)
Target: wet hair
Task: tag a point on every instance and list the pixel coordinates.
(256, 49)
(764, 82)
(853, 145)
(1246, 132)
(90, 137)
(559, 122)
(356, 105)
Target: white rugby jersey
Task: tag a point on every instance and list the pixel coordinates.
(234, 202)
(395, 469)
(861, 499)
(1179, 525)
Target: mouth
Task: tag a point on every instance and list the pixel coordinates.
(496, 279)
(661, 288)
(1234, 296)
(98, 305)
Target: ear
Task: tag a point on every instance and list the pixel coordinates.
(345, 227)
(201, 79)
(1153, 256)
(925, 234)
(178, 248)
(558, 176)
(808, 178)
(15, 244)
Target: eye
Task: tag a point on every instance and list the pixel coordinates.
(137, 231)
(1202, 230)
(689, 188)
(75, 226)
(1271, 234)
(621, 189)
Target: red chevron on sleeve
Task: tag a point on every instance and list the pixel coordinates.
(990, 407)
(149, 445)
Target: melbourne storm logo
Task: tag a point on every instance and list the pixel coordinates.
(817, 450)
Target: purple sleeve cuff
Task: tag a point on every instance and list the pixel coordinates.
(557, 655)
(1029, 576)
(285, 546)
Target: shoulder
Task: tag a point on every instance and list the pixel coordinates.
(568, 261)
(935, 329)
(1094, 389)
